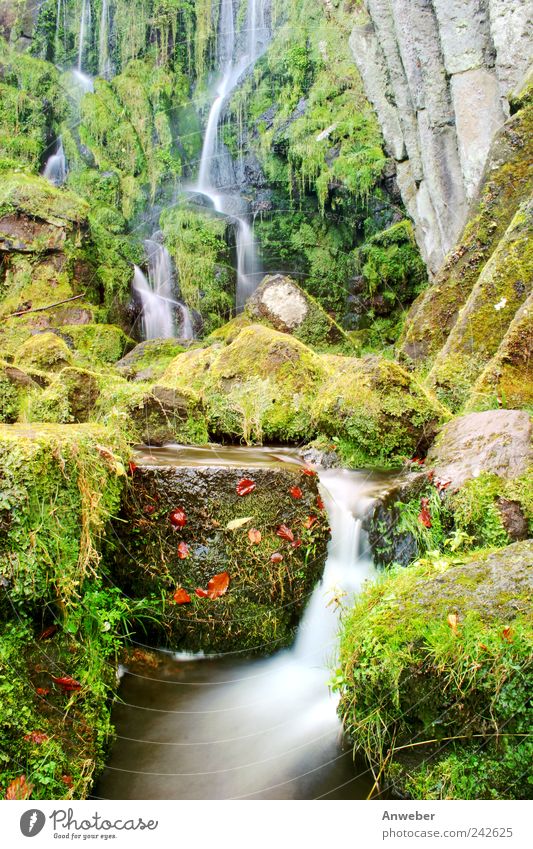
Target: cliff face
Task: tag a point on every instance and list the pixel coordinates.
(438, 73)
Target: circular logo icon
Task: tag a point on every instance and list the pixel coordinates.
(32, 822)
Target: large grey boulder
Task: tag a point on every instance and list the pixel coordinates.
(495, 441)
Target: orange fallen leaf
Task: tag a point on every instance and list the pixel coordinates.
(200, 592)
(48, 632)
(19, 788)
(507, 634)
(309, 472)
(42, 691)
(285, 533)
(310, 521)
(67, 779)
(181, 596)
(254, 536)
(296, 492)
(319, 503)
(218, 585)
(276, 557)
(296, 543)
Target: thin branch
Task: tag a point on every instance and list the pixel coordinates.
(42, 309)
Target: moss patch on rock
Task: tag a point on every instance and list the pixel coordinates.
(435, 662)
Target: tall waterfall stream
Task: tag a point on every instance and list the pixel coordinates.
(227, 727)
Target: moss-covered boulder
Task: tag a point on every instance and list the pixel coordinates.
(45, 352)
(507, 183)
(229, 522)
(149, 359)
(435, 672)
(59, 486)
(508, 377)
(261, 385)
(482, 323)
(98, 343)
(376, 409)
(58, 620)
(285, 306)
(495, 442)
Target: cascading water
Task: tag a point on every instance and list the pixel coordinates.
(104, 62)
(232, 61)
(84, 31)
(156, 294)
(223, 728)
(55, 169)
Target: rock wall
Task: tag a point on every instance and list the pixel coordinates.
(438, 73)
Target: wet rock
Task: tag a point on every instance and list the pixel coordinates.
(387, 543)
(265, 599)
(513, 519)
(45, 352)
(287, 308)
(148, 359)
(495, 441)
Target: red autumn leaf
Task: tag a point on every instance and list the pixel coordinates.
(276, 557)
(483, 647)
(177, 518)
(430, 475)
(310, 521)
(42, 691)
(200, 592)
(132, 466)
(181, 596)
(149, 509)
(285, 533)
(507, 634)
(67, 684)
(67, 779)
(417, 460)
(254, 536)
(424, 517)
(48, 632)
(296, 492)
(245, 486)
(218, 585)
(319, 503)
(19, 788)
(309, 472)
(36, 737)
(296, 543)
(183, 550)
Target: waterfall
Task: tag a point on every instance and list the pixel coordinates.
(84, 31)
(55, 169)
(232, 63)
(156, 294)
(104, 64)
(264, 728)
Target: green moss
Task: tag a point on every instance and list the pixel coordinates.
(507, 185)
(196, 242)
(38, 198)
(376, 411)
(482, 323)
(411, 678)
(45, 352)
(98, 343)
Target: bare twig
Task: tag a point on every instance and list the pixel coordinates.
(42, 309)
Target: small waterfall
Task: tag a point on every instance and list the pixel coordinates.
(84, 30)
(55, 169)
(271, 724)
(156, 293)
(104, 63)
(231, 67)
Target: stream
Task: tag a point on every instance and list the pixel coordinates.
(227, 727)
